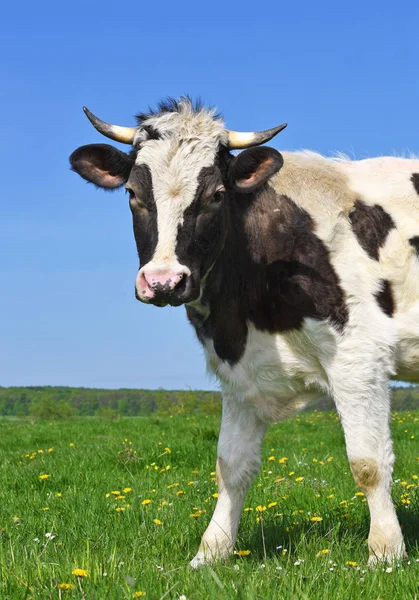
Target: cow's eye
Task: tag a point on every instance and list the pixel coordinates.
(213, 204)
(130, 192)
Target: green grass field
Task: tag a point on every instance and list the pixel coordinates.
(127, 501)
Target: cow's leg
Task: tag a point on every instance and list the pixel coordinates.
(362, 400)
(239, 449)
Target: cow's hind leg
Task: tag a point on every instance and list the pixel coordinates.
(239, 449)
(364, 409)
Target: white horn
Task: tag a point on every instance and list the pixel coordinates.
(246, 139)
(114, 132)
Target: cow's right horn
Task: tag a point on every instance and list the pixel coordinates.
(114, 132)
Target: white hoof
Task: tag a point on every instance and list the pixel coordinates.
(199, 561)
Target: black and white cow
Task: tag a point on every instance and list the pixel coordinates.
(298, 272)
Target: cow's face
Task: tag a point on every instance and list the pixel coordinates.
(178, 177)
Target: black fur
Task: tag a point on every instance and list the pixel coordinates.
(415, 180)
(385, 298)
(170, 105)
(152, 133)
(144, 212)
(414, 241)
(371, 225)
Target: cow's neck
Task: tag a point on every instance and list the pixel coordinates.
(273, 272)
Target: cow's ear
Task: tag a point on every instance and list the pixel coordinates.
(253, 167)
(101, 164)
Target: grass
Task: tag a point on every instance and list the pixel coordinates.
(80, 517)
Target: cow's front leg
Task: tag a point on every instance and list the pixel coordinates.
(239, 450)
(364, 409)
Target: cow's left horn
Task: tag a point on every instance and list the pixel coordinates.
(246, 139)
(114, 132)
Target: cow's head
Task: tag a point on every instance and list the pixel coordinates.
(179, 177)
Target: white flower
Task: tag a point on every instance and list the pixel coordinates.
(37, 540)
(262, 566)
(50, 535)
(389, 569)
(183, 597)
(236, 568)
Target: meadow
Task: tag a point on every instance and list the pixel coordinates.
(114, 509)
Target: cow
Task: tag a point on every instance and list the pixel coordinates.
(299, 273)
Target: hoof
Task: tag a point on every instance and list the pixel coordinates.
(199, 561)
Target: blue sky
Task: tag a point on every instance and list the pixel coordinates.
(343, 75)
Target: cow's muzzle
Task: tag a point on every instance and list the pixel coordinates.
(161, 285)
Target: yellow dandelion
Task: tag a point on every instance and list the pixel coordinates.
(50, 449)
(119, 497)
(180, 493)
(360, 494)
(271, 458)
(322, 552)
(284, 552)
(66, 586)
(260, 508)
(215, 495)
(272, 504)
(351, 563)
(138, 594)
(127, 490)
(248, 509)
(414, 477)
(242, 552)
(330, 496)
(58, 494)
(195, 515)
(212, 473)
(120, 508)
(291, 473)
(283, 460)
(168, 467)
(80, 573)
(146, 502)
(298, 479)
(44, 476)
(157, 522)
(45, 508)
(116, 492)
(316, 519)
(330, 459)
(195, 472)
(71, 444)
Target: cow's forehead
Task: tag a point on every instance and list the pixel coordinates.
(182, 144)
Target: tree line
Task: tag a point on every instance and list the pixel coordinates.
(62, 402)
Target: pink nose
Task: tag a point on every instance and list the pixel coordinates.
(150, 282)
